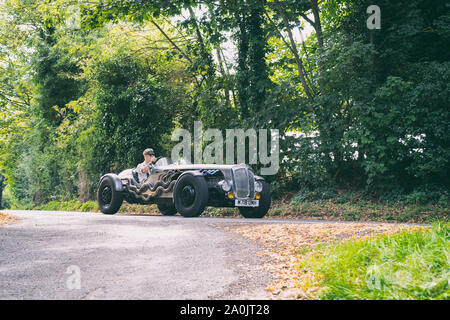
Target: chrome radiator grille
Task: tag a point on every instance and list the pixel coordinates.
(244, 182)
(251, 181)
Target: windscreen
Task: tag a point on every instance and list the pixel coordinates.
(163, 162)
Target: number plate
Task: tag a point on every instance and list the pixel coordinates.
(246, 203)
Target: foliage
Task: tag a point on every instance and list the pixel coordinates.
(135, 110)
(369, 129)
(319, 193)
(405, 265)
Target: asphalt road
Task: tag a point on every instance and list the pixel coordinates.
(71, 255)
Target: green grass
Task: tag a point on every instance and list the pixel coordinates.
(73, 205)
(405, 265)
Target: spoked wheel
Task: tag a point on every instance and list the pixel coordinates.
(109, 200)
(190, 195)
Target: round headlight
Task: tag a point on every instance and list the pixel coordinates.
(258, 186)
(225, 185)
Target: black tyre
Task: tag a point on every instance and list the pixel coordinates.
(264, 204)
(109, 200)
(190, 195)
(167, 209)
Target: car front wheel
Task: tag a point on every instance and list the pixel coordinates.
(264, 204)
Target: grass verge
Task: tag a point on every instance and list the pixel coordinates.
(350, 207)
(73, 205)
(405, 265)
(355, 209)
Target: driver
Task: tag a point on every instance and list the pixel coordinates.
(143, 169)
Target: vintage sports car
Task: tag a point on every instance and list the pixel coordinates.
(187, 189)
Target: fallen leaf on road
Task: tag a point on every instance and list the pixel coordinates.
(6, 218)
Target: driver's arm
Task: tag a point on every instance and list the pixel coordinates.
(145, 168)
(142, 168)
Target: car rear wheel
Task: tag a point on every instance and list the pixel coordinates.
(190, 195)
(167, 209)
(264, 204)
(109, 200)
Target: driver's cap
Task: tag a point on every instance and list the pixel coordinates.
(149, 151)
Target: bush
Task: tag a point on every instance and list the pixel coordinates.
(89, 206)
(7, 199)
(320, 193)
(73, 205)
(128, 96)
(417, 197)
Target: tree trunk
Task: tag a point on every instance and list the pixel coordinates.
(317, 24)
(318, 28)
(243, 72)
(206, 57)
(293, 48)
